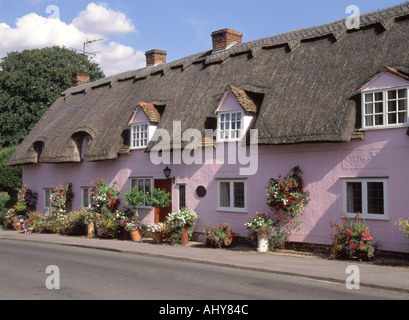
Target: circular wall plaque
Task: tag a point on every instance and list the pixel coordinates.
(201, 191)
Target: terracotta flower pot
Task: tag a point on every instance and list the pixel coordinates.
(136, 235)
(17, 226)
(157, 237)
(185, 236)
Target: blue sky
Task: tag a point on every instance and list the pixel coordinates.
(181, 27)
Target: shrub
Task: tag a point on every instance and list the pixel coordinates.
(34, 223)
(219, 236)
(28, 197)
(352, 238)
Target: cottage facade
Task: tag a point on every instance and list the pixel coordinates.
(330, 99)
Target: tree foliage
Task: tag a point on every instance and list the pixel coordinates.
(30, 81)
(10, 177)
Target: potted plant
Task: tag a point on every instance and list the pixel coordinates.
(179, 226)
(219, 236)
(156, 230)
(260, 227)
(135, 227)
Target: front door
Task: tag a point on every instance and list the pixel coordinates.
(162, 213)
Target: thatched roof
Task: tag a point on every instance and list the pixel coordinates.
(308, 80)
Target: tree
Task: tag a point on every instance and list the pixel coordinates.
(10, 177)
(30, 81)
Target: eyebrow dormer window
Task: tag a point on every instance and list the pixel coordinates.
(139, 135)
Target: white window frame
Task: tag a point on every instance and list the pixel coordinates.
(144, 186)
(140, 142)
(47, 198)
(231, 207)
(221, 132)
(365, 214)
(89, 198)
(385, 109)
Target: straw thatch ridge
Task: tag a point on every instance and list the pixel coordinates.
(309, 80)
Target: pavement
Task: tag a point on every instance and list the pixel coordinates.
(384, 277)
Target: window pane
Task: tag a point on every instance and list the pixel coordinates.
(379, 120)
(369, 108)
(402, 117)
(402, 93)
(369, 97)
(354, 197)
(402, 105)
(392, 118)
(225, 194)
(85, 198)
(378, 107)
(369, 121)
(376, 198)
(392, 94)
(378, 96)
(239, 201)
(391, 106)
(182, 196)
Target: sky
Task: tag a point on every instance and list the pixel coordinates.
(126, 29)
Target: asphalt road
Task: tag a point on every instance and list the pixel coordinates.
(87, 274)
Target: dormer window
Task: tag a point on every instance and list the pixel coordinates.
(143, 125)
(230, 125)
(386, 108)
(385, 101)
(139, 135)
(235, 114)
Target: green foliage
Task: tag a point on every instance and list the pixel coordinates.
(137, 198)
(30, 81)
(10, 177)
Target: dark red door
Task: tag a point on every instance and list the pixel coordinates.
(162, 213)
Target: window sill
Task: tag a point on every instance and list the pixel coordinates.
(233, 210)
(374, 217)
(406, 125)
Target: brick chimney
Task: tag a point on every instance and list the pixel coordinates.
(225, 38)
(154, 57)
(79, 79)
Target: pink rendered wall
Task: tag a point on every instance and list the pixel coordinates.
(383, 153)
(384, 80)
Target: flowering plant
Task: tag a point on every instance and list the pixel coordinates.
(135, 224)
(288, 198)
(157, 227)
(403, 226)
(104, 195)
(55, 221)
(219, 236)
(34, 224)
(13, 217)
(62, 196)
(28, 197)
(175, 221)
(288, 193)
(352, 238)
(260, 226)
(183, 217)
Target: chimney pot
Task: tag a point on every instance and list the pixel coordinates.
(79, 79)
(223, 39)
(154, 57)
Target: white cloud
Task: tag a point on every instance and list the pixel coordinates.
(34, 31)
(99, 19)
